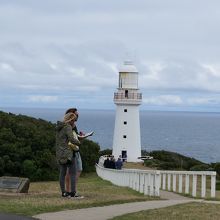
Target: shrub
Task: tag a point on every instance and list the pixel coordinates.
(105, 152)
(89, 152)
(167, 166)
(202, 167)
(171, 160)
(217, 168)
(29, 169)
(2, 166)
(217, 185)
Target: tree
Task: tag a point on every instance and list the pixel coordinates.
(29, 169)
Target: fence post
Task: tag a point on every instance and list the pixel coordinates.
(168, 181)
(180, 183)
(174, 182)
(157, 183)
(151, 184)
(187, 183)
(164, 181)
(213, 182)
(141, 189)
(134, 181)
(146, 183)
(160, 181)
(203, 185)
(194, 185)
(138, 182)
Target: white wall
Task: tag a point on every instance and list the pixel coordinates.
(132, 142)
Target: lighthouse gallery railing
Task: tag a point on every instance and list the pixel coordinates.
(129, 95)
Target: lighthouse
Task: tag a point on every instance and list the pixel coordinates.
(127, 139)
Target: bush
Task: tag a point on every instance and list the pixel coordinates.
(152, 163)
(29, 169)
(217, 185)
(148, 163)
(202, 167)
(27, 147)
(105, 152)
(171, 160)
(217, 168)
(167, 166)
(89, 152)
(2, 166)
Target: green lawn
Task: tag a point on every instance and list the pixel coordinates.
(46, 197)
(190, 211)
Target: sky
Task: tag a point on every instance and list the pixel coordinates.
(66, 53)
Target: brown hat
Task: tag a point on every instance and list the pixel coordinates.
(69, 117)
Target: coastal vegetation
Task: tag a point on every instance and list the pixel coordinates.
(166, 160)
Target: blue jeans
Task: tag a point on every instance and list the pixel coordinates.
(72, 173)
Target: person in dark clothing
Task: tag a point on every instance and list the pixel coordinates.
(118, 164)
(107, 163)
(112, 163)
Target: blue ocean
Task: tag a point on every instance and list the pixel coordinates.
(193, 134)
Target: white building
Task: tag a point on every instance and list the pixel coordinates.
(127, 140)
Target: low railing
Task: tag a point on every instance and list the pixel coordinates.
(189, 182)
(150, 182)
(147, 182)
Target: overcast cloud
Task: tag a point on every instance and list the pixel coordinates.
(66, 53)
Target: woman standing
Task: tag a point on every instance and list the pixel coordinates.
(64, 154)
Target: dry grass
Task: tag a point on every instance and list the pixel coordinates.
(130, 165)
(190, 211)
(46, 197)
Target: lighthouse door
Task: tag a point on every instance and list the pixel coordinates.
(124, 155)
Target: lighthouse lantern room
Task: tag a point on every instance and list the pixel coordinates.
(126, 140)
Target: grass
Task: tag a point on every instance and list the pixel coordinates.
(190, 211)
(46, 197)
(133, 165)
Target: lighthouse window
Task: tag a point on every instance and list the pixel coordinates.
(125, 110)
(124, 136)
(125, 122)
(126, 93)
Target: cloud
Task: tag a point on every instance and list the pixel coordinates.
(51, 49)
(163, 100)
(212, 69)
(203, 101)
(43, 99)
(6, 67)
(180, 75)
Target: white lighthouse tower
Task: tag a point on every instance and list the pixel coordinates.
(127, 140)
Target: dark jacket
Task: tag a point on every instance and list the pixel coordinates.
(64, 135)
(118, 164)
